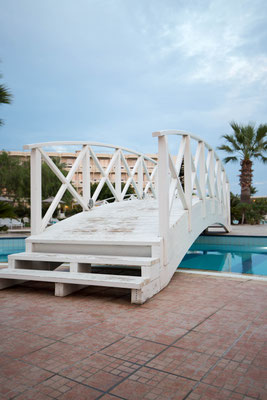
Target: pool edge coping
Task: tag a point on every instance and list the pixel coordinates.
(224, 274)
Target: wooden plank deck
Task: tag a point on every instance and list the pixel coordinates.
(129, 221)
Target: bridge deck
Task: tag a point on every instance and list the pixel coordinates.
(128, 221)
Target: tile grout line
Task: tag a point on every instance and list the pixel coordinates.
(217, 362)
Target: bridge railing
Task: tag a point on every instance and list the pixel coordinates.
(204, 177)
(139, 176)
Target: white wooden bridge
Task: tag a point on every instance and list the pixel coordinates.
(149, 234)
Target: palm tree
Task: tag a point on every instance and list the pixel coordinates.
(246, 143)
(5, 97)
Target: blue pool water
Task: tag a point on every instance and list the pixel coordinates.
(209, 253)
(240, 254)
(11, 246)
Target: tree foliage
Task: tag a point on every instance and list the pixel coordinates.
(5, 96)
(246, 213)
(6, 210)
(15, 178)
(245, 144)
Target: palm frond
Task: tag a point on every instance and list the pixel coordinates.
(231, 139)
(261, 133)
(228, 159)
(226, 148)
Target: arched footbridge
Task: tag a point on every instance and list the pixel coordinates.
(176, 197)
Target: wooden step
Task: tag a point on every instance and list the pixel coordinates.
(119, 281)
(84, 258)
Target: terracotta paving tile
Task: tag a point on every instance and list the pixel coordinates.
(9, 388)
(187, 363)
(222, 326)
(93, 339)
(103, 342)
(161, 333)
(207, 392)
(80, 392)
(55, 386)
(33, 394)
(148, 384)
(134, 350)
(59, 329)
(239, 377)
(56, 356)
(16, 376)
(205, 343)
(15, 343)
(99, 371)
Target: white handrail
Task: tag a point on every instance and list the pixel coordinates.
(86, 143)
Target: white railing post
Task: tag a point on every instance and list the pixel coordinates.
(140, 177)
(188, 179)
(210, 169)
(36, 191)
(228, 204)
(218, 172)
(118, 176)
(202, 177)
(86, 176)
(163, 192)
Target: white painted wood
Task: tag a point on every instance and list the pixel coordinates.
(88, 143)
(62, 178)
(121, 281)
(86, 176)
(140, 176)
(86, 259)
(150, 235)
(64, 289)
(188, 179)
(118, 176)
(163, 178)
(202, 176)
(36, 191)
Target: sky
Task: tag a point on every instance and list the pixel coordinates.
(114, 71)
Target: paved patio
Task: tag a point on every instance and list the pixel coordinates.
(200, 338)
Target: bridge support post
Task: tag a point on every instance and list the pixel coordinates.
(86, 177)
(36, 191)
(188, 179)
(163, 193)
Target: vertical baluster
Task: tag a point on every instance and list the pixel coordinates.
(202, 177)
(140, 176)
(228, 206)
(218, 172)
(163, 193)
(86, 176)
(118, 175)
(36, 191)
(211, 178)
(188, 179)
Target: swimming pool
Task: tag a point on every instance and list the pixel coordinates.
(238, 254)
(11, 246)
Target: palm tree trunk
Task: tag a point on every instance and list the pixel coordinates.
(245, 180)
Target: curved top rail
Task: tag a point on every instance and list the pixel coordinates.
(184, 133)
(85, 143)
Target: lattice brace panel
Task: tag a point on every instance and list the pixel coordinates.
(176, 188)
(125, 168)
(204, 177)
(123, 171)
(66, 184)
